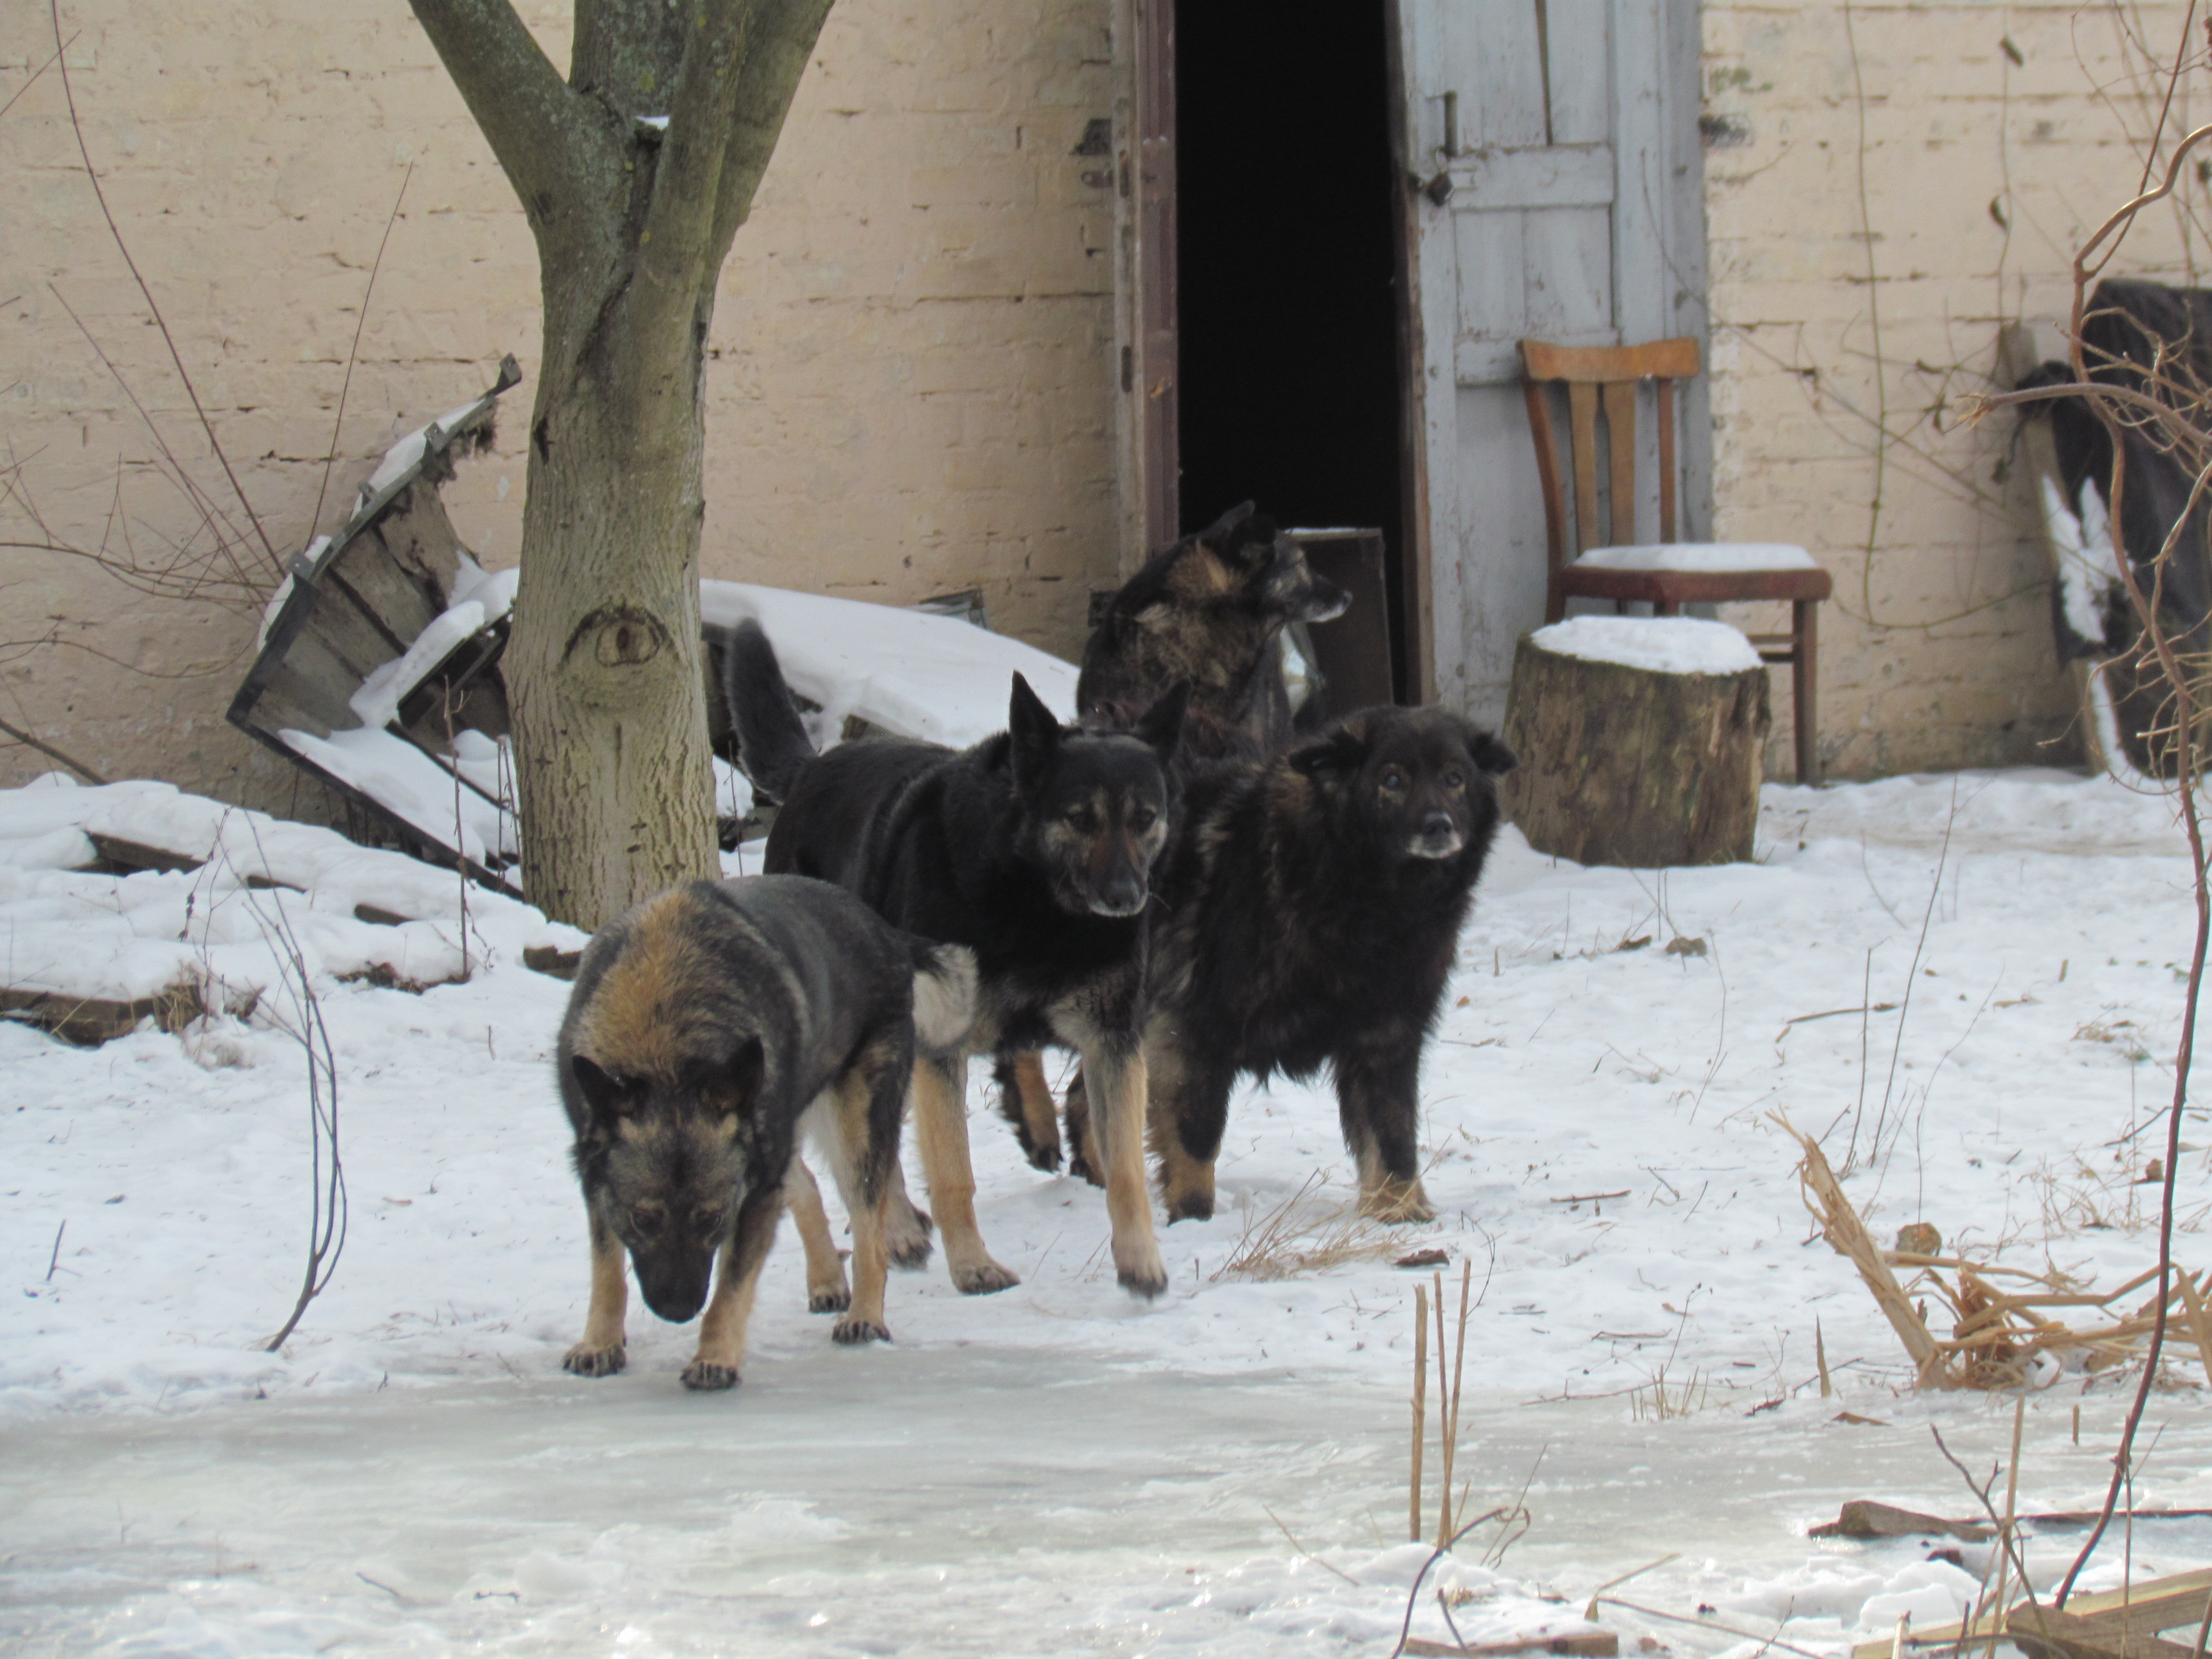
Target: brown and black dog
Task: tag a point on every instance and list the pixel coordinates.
(1210, 612)
(709, 1026)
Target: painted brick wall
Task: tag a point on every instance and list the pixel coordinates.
(909, 389)
(1891, 184)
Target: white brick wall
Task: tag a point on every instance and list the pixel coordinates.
(1936, 651)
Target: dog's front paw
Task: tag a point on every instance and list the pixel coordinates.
(1394, 1202)
(1043, 1154)
(853, 1331)
(983, 1277)
(581, 1361)
(1079, 1167)
(1140, 1272)
(827, 1300)
(705, 1377)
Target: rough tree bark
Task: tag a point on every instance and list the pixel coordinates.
(633, 222)
(1630, 766)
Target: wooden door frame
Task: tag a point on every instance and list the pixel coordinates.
(1417, 589)
(1146, 356)
(1148, 504)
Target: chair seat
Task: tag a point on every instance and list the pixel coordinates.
(1717, 558)
(1668, 587)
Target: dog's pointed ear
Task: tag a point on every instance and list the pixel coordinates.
(1034, 728)
(744, 1073)
(608, 1096)
(1489, 755)
(1161, 725)
(1251, 545)
(1218, 533)
(1335, 754)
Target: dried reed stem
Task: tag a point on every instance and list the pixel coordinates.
(1420, 1401)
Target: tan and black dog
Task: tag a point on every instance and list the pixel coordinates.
(1034, 849)
(708, 1026)
(1210, 610)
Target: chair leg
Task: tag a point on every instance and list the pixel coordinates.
(1804, 666)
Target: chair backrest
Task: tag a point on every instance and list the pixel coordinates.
(1601, 377)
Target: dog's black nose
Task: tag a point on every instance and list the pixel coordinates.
(1124, 895)
(1438, 838)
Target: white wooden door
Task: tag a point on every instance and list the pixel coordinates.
(1566, 131)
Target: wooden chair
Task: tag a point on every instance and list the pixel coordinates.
(1588, 563)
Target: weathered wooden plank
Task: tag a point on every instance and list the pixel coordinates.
(1494, 47)
(89, 1021)
(1591, 1645)
(1491, 303)
(1557, 176)
(1581, 68)
(1569, 278)
(305, 700)
(419, 538)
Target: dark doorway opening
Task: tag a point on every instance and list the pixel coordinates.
(1287, 224)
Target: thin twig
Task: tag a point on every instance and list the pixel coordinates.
(52, 753)
(337, 421)
(68, 94)
(1308, 1554)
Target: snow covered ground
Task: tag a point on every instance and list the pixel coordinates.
(1059, 1469)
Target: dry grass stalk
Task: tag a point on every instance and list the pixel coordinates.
(1997, 1337)
(1420, 1401)
(1841, 1226)
(1281, 1245)
(1447, 1397)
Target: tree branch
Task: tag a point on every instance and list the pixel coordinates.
(781, 42)
(546, 137)
(702, 119)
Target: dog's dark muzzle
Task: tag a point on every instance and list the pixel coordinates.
(1123, 896)
(674, 1287)
(1438, 838)
(1325, 603)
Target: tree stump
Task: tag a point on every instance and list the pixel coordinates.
(1642, 741)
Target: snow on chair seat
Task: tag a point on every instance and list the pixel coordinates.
(1716, 558)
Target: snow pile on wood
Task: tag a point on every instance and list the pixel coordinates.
(1662, 645)
(138, 894)
(908, 672)
(1709, 558)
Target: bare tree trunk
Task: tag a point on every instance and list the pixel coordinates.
(635, 174)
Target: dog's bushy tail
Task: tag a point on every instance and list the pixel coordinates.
(772, 744)
(943, 995)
